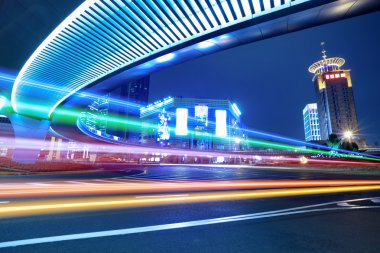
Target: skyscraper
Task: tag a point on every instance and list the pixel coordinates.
(335, 99)
(311, 123)
(134, 91)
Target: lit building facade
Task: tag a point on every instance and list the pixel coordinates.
(123, 102)
(335, 99)
(204, 124)
(311, 122)
(96, 114)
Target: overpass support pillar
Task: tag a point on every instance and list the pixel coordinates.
(30, 136)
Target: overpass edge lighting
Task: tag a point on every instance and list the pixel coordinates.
(151, 38)
(165, 58)
(43, 45)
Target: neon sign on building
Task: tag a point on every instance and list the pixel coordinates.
(329, 76)
(201, 116)
(181, 121)
(221, 123)
(163, 130)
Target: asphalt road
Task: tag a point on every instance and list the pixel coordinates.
(189, 173)
(335, 222)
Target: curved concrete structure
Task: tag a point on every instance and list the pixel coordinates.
(104, 37)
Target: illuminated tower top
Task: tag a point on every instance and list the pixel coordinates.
(326, 64)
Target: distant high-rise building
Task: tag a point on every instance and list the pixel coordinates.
(136, 92)
(311, 123)
(335, 99)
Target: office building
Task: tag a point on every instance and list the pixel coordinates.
(203, 124)
(311, 122)
(96, 114)
(335, 99)
(125, 103)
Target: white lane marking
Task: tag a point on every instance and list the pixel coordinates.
(145, 229)
(281, 212)
(376, 200)
(4, 202)
(162, 196)
(80, 182)
(345, 204)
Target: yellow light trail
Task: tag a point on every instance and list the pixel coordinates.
(106, 203)
(131, 187)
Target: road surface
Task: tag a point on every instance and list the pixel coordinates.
(335, 218)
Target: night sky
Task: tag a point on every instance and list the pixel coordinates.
(270, 82)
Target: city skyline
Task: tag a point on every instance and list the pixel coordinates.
(224, 75)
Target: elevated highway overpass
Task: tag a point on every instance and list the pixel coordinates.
(105, 39)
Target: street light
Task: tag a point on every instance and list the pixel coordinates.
(348, 134)
(303, 160)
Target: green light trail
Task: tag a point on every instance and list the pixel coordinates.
(70, 116)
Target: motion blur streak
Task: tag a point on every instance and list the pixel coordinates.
(143, 150)
(61, 189)
(256, 138)
(75, 205)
